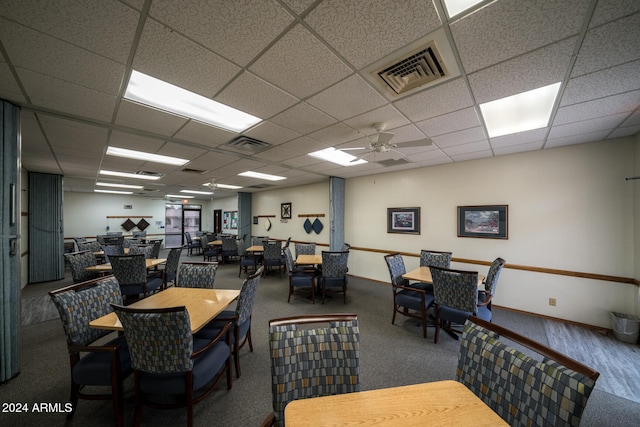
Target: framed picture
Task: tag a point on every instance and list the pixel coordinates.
(255, 220)
(285, 210)
(489, 221)
(403, 220)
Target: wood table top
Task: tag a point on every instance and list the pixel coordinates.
(309, 259)
(100, 253)
(215, 243)
(255, 248)
(436, 403)
(202, 304)
(105, 268)
(423, 274)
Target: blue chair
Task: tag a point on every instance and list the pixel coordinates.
(112, 250)
(131, 272)
(301, 278)
(78, 263)
(305, 249)
(191, 245)
(455, 295)
(196, 275)
(334, 273)
(209, 252)
(272, 256)
(106, 364)
(168, 361)
(248, 261)
(491, 282)
(240, 318)
(432, 259)
(168, 274)
(229, 248)
(407, 300)
(141, 249)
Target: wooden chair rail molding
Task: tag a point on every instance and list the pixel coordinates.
(558, 272)
(129, 216)
(310, 215)
(265, 216)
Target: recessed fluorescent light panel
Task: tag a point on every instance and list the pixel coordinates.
(110, 184)
(197, 192)
(519, 113)
(130, 175)
(140, 155)
(164, 96)
(112, 191)
(262, 176)
(338, 157)
(180, 196)
(454, 7)
(225, 186)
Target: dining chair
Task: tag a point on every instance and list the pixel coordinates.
(302, 278)
(407, 300)
(430, 258)
(248, 260)
(196, 275)
(93, 246)
(345, 247)
(93, 361)
(240, 319)
(541, 388)
(78, 263)
(455, 295)
(229, 248)
(144, 249)
(191, 245)
(257, 240)
(131, 272)
(301, 365)
(305, 249)
(168, 274)
(210, 253)
(485, 296)
(155, 248)
(169, 362)
(112, 250)
(334, 273)
(272, 256)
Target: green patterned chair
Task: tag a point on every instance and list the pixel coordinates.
(171, 368)
(522, 390)
(105, 364)
(196, 275)
(78, 263)
(311, 362)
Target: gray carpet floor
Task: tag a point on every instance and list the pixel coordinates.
(391, 355)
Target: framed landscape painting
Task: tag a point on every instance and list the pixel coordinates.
(403, 220)
(490, 221)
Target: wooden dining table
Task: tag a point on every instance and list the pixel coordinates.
(202, 305)
(423, 274)
(309, 260)
(439, 403)
(106, 268)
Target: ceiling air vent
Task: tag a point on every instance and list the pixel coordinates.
(195, 171)
(391, 162)
(248, 144)
(148, 173)
(260, 186)
(413, 70)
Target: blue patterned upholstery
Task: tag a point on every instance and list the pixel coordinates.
(96, 365)
(166, 358)
(407, 300)
(272, 256)
(301, 278)
(197, 275)
(435, 259)
(171, 268)
(491, 283)
(155, 249)
(191, 245)
(209, 252)
(240, 317)
(131, 272)
(90, 246)
(112, 250)
(229, 248)
(313, 362)
(78, 263)
(523, 391)
(141, 249)
(334, 273)
(305, 249)
(248, 261)
(456, 298)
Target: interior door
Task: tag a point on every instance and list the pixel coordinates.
(217, 221)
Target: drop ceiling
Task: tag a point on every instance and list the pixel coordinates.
(304, 67)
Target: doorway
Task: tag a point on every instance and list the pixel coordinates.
(178, 220)
(217, 221)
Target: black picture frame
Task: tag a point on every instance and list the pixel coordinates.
(255, 220)
(285, 210)
(487, 221)
(403, 220)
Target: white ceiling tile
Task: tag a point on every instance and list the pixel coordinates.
(10, 89)
(633, 119)
(463, 149)
(622, 103)
(535, 136)
(436, 101)
(149, 119)
(272, 133)
(473, 155)
(253, 95)
(73, 134)
(530, 71)
(362, 32)
(300, 63)
(460, 137)
(348, 98)
(613, 9)
(281, 153)
(386, 114)
(508, 28)
(303, 118)
(575, 139)
(458, 120)
(168, 56)
(606, 123)
(335, 134)
(237, 30)
(134, 142)
(181, 150)
(204, 134)
(610, 81)
(511, 149)
(624, 131)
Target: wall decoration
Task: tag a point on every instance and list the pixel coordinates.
(403, 220)
(267, 224)
(490, 221)
(308, 226)
(317, 226)
(142, 224)
(128, 225)
(230, 220)
(255, 220)
(285, 210)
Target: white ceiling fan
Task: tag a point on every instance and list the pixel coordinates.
(381, 143)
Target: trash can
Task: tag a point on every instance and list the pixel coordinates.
(625, 327)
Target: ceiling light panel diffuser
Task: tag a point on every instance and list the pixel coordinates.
(338, 157)
(264, 176)
(148, 157)
(164, 96)
(130, 175)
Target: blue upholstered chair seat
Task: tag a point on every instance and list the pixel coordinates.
(423, 286)
(94, 367)
(302, 280)
(214, 327)
(460, 317)
(335, 282)
(205, 368)
(413, 300)
(153, 284)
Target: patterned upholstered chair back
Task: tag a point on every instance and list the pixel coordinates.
(522, 390)
(288, 260)
(287, 242)
(244, 307)
(305, 249)
(334, 264)
(112, 250)
(396, 267)
(78, 308)
(345, 247)
(455, 289)
(129, 269)
(197, 275)
(160, 340)
(78, 262)
(491, 281)
(90, 246)
(257, 240)
(141, 249)
(173, 259)
(320, 361)
(229, 244)
(155, 249)
(272, 250)
(435, 259)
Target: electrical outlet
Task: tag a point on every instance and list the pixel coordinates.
(552, 302)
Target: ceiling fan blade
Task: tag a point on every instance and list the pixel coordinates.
(352, 148)
(361, 157)
(384, 138)
(417, 143)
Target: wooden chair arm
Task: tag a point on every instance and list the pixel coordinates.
(407, 288)
(269, 421)
(487, 299)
